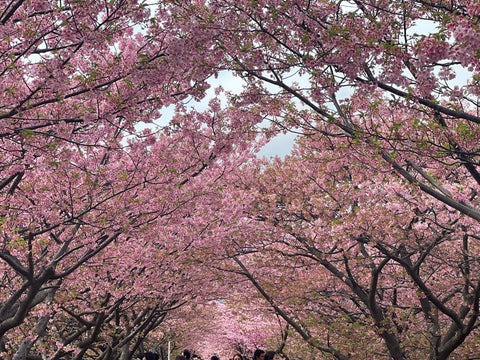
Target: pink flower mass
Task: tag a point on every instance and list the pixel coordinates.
(125, 230)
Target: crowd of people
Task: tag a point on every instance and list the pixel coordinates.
(187, 355)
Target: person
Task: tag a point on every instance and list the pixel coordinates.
(259, 355)
(150, 356)
(180, 357)
(269, 355)
(187, 354)
(237, 357)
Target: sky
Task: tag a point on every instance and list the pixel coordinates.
(281, 145)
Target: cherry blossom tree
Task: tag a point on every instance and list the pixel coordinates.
(367, 232)
(93, 209)
(104, 238)
(371, 224)
(347, 257)
(416, 58)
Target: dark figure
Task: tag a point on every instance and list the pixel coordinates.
(187, 354)
(237, 357)
(269, 355)
(259, 355)
(150, 356)
(214, 357)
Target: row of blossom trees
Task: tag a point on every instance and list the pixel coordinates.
(364, 240)
(360, 244)
(95, 240)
